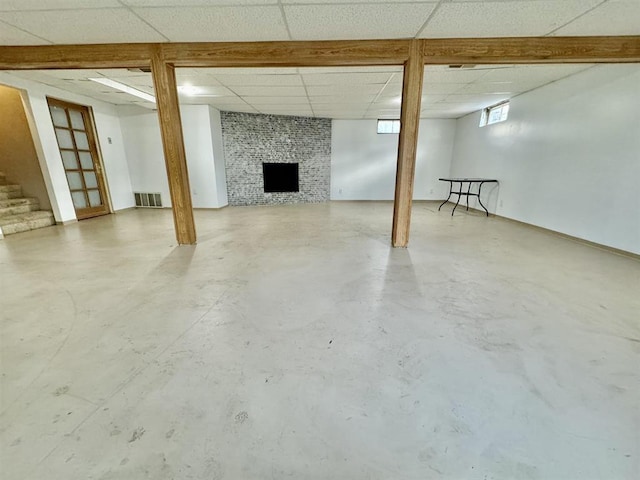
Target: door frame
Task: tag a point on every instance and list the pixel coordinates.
(94, 145)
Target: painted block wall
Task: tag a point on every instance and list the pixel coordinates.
(18, 157)
(568, 157)
(250, 140)
(107, 125)
(201, 131)
(363, 162)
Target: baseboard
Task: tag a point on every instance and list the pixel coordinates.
(589, 243)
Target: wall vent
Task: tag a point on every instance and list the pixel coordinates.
(153, 200)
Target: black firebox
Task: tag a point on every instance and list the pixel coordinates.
(280, 177)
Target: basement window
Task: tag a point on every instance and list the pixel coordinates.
(495, 114)
(388, 126)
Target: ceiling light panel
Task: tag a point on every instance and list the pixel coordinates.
(124, 88)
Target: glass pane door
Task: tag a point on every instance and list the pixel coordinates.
(78, 149)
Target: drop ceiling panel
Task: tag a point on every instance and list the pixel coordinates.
(217, 24)
(503, 18)
(242, 109)
(476, 99)
(122, 73)
(540, 74)
(438, 88)
(615, 17)
(276, 100)
(73, 74)
(270, 91)
(508, 88)
(451, 75)
(346, 78)
(340, 99)
(10, 35)
(273, 110)
(224, 100)
(232, 80)
(84, 26)
(196, 79)
(12, 5)
(135, 82)
(319, 90)
(356, 21)
(374, 69)
(192, 3)
(387, 102)
(430, 99)
(248, 70)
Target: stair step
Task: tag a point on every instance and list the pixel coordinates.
(23, 222)
(10, 191)
(13, 206)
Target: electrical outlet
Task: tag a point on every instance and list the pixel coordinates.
(340, 191)
(500, 203)
(431, 191)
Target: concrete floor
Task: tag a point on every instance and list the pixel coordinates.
(293, 342)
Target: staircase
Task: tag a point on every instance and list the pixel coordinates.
(20, 214)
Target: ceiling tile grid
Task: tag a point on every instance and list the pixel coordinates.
(615, 17)
(216, 24)
(365, 93)
(503, 18)
(356, 20)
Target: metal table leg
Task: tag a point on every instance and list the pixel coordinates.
(480, 201)
(456, 206)
(450, 190)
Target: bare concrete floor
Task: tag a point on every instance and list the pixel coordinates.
(293, 342)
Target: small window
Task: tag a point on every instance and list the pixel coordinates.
(388, 126)
(495, 114)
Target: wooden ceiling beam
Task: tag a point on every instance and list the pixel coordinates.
(288, 54)
(531, 50)
(50, 57)
(440, 51)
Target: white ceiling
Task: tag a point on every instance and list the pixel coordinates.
(330, 92)
(36, 22)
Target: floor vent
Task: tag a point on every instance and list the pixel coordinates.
(153, 200)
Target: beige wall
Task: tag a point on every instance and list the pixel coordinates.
(18, 159)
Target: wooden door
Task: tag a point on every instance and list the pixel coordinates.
(76, 140)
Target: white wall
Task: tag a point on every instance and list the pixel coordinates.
(203, 147)
(218, 156)
(363, 162)
(568, 157)
(107, 125)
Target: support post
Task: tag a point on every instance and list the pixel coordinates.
(164, 83)
(407, 144)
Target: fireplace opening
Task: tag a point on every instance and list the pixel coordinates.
(280, 177)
